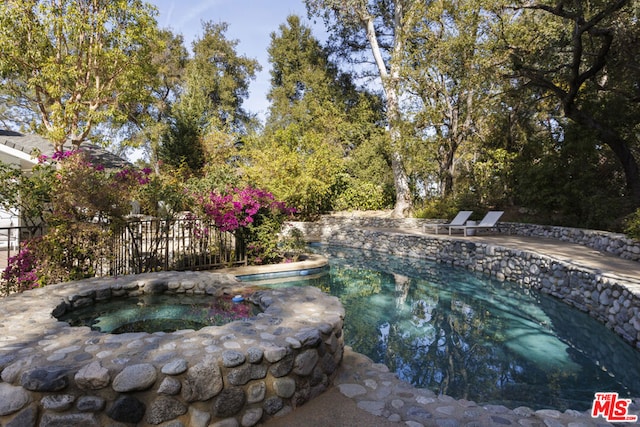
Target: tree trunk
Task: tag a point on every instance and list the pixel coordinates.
(390, 80)
(447, 182)
(404, 202)
(617, 144)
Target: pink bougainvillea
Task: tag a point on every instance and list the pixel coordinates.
(57, 156)
(252, 214)
(132, 176)
(240, 208)
(21, 272)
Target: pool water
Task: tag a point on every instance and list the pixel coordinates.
(160, 313)
(468, 336)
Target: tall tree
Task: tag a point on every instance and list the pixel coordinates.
(303, 80)
(148, 121)
(67, 65)
(308, 88)
(223, 76)
(317, 118)
(574, 50)
(447, 73)
(385, 25)
(209, 111)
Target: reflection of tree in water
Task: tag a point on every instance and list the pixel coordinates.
(426, 341)
(464, 335)
(362, 291)
(440, 349)
(445, 341)
(403, 285)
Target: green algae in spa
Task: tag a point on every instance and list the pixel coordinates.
(160, 313)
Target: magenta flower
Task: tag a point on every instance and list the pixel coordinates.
(240, 208)
(21, 270)
(61, 155)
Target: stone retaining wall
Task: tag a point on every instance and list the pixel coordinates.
(614, 301)
(613, 243)
(240, 373)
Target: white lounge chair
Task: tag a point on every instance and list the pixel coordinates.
(488, 222)
(460, 219)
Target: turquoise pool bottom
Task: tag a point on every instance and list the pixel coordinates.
(471, 337)
(160, 313)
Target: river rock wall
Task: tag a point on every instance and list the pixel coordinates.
(238, 374)
(613, 243)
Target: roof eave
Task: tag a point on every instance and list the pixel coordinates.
(18, 154)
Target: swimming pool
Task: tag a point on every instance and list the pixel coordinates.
(473, 337)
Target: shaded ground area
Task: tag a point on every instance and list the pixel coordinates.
(331, 408)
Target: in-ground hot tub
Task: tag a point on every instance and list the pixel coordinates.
(166, 312)
(244, 371)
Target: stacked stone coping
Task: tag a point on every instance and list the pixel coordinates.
(616, 244)
(612, 300)
(240, 373)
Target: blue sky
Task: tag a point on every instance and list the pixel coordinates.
(251, 22)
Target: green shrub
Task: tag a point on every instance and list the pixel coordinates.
(72, 251)
(292, 244)
(360, 195)
(82, 199)
(632, 225)
(438, 208)
(162, 197)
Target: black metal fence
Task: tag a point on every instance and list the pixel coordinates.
(150, 245)
(183, 244)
